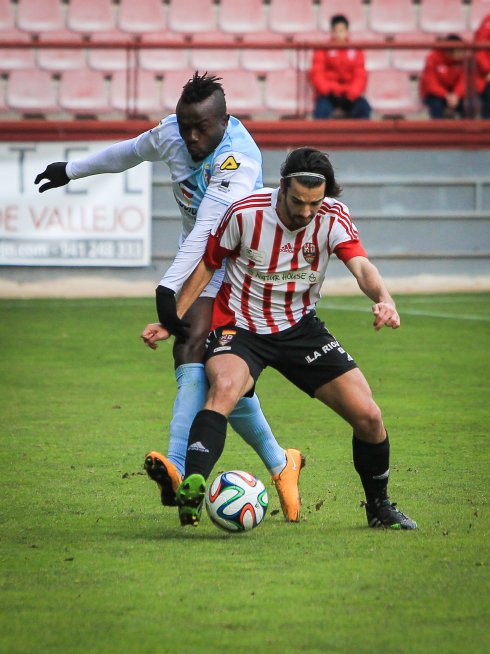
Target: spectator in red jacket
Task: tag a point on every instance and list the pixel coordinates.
(483, 67)
(339, 77)
(443, 81)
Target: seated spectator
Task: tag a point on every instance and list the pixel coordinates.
(443, 81)
(483, 67)
(339, 77)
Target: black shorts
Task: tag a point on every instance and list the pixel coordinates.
(306, 354)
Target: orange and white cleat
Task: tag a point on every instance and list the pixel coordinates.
(286, 483)
(165, 474)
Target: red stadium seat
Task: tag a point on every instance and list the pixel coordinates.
(242, 89)
(391, 18)
(390, 93)
(83, 92)
(243, 92)
(38, 17)
(31, 91)
(6, 15)
(58, 60)
(139, 17)
(412, 61)
(243, 17)
(478, 10)
(264, 61)
(163, 59)
(301, 59)
(288, 93)
(291, 16)
(375, 59)
(143, 97)
(110, 60)
(192, 16)
(353, 10)
(442, 16)
(173, 82)
(15, 58)
(215, 59)
(88, 16)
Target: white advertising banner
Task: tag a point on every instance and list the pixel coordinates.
(102, 220)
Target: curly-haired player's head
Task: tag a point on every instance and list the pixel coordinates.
(316, 169)
(307, 177)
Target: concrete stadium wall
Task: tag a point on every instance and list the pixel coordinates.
(423, 215)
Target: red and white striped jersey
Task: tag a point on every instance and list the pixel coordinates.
(274, 275)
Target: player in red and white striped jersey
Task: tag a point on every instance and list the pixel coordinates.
(277, 244)
(275, 272)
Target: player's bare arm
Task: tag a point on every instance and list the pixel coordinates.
(371, 284)
(191, 290)
(193, 287)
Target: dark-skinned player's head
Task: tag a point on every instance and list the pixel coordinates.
(201, 115)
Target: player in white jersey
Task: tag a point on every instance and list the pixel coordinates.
(277, 244)
(213, 161)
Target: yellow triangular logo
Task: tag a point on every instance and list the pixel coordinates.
(229, 164)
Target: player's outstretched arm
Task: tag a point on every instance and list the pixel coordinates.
(372, 284)
(193, 287)
(56, 175)
(170, 313)
(115, 158)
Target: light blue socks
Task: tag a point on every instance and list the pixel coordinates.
(247, 420)
(192, 389)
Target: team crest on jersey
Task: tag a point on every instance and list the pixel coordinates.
(206, 171)
(230, 163)
(309, 252)
(226, 336)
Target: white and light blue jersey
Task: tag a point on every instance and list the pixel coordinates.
(230, 172)
(203, 190)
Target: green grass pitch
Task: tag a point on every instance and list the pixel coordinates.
(91, 563)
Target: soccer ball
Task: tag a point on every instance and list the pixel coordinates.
(236, 501)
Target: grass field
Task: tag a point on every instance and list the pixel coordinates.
(91, 563)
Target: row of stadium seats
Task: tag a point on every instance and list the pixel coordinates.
(192, 18)
(88, 93)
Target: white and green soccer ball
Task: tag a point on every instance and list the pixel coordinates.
(236, 501)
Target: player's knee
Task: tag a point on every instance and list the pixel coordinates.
(223, 385)
(223, 394)
(370, 421)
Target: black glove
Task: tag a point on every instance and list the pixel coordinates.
(56, 174)
(167, 313)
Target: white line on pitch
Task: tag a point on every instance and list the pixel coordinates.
(410, 312)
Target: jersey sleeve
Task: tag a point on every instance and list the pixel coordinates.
(344, 238)
(233, 177)
(349, 250)
(223, 241)
(153, 145)
(113, 159)
(192, 249)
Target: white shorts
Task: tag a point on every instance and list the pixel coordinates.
(211, 290)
